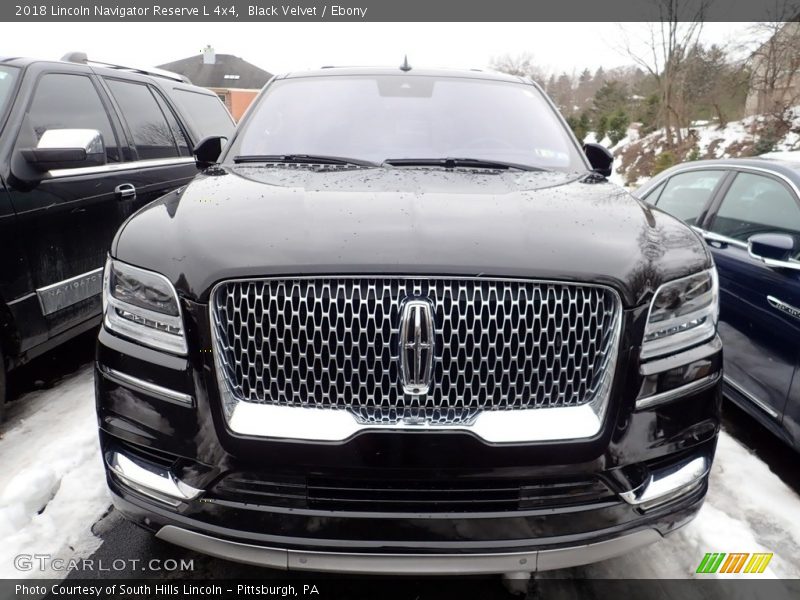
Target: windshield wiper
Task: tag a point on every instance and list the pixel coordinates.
(320, 159)
(451, 163)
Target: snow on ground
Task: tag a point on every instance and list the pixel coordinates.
(707, 141)
(748, 509)
(51, 461)
(52, 485)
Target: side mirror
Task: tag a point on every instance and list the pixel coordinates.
(600, 158)
(773, 249)
(207, 151)
(66, 149)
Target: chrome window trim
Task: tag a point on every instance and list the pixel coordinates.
(497, 427)
(710, 236)
(759, 403)
(119, 167)
(146, 387)
(738, 167)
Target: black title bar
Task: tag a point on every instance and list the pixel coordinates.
(400, 10)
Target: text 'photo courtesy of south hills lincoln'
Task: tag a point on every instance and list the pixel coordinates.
(405, 300)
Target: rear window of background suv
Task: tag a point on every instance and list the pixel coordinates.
(206, 111)
(8, 77)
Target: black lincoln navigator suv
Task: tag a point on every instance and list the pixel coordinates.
(403, 324)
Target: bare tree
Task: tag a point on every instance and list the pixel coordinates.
(521, 65)
(666, 46)
(775, 65)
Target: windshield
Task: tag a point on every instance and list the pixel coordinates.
(375, 118)
(8, 75)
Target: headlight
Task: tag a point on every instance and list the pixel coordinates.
(143, 306)
(683, 313)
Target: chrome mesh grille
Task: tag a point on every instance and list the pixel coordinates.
(334, 343)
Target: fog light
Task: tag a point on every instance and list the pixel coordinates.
(149, 479)
(669, 483)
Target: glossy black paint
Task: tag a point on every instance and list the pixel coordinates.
(599, 157)
(255, 221)
(762, 355)
(55, 227)
(252, 220)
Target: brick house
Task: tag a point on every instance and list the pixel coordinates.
(235, 80)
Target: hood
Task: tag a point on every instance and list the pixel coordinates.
(255, 221)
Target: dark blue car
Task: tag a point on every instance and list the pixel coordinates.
(748, 211)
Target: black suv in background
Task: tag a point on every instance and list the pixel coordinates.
(403, 326)
(82, 147)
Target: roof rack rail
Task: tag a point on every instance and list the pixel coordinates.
(80, 57)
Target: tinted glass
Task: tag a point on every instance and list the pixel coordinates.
(65, 101)
(8, 76)
(208, 115)
(757, 204)
(652, 196)
(177, 131)
(152, 135)
(405, 116)
(686, 195)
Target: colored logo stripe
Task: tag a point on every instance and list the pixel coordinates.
(758, 563)
(734, 562)
(714, 562)
(711, 562)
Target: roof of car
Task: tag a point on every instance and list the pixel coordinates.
(349, 71)
(154, 73)
(788, 168)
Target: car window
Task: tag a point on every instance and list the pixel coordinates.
(652, 196)
(151, 132)
(177, 131)
(8, 76)
(757, 204)
(686, 194)
(70, 101)
(207, 113)
(380, 117)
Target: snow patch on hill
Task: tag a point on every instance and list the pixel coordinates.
(637, 157)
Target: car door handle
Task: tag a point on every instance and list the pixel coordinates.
(125, 191)
(780, 305)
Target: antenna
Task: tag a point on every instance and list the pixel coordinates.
(405, 66)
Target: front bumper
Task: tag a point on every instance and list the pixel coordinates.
(653, 439)
(407, 564)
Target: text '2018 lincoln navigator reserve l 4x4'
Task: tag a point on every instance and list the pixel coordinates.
(403, 324)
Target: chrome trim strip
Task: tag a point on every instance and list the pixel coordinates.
(22, 298)
(62, 294)
(118, 167)
(690, 388)
(151, 480)
(710, 236)
(667, 483)
(738, 167)
(759, 403)
(783, 307)
(674, 361)
(497, 427)
(407, 564)
(146, 387)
